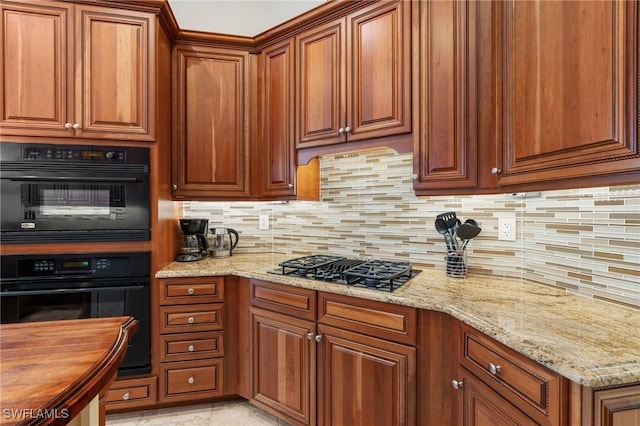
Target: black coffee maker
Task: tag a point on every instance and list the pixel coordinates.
(194, 240)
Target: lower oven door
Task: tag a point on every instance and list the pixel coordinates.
(61, 302)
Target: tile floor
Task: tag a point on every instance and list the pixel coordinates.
(228, 413)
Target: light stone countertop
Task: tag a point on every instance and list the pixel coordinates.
(593, 343)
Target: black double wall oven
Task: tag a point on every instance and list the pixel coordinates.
(55, 193)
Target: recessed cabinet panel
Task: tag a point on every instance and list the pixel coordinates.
(210, 138)
(569, 91)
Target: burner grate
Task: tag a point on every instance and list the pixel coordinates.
(384, 275)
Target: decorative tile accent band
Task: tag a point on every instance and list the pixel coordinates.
(586, 240)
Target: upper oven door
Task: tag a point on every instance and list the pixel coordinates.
(87, 194)
(80, 209)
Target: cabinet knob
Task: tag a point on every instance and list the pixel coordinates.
(494, 369)
(414, 177)
(174, 186)
(191, 348)
(76, 126)
(68, 125)
(310, 336)
(191, 320)
(191, 380)
(496, 171)
(341, 130)
(347, 129)
(126, 396)
(319, 338)
(191, 291)
(290, 186)
(457, 384)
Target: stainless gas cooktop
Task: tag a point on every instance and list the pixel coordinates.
(384, 275)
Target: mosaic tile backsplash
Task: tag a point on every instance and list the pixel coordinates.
(586, 241)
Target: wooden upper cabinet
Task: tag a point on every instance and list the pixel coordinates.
(116, 86)
(569, 91)
(354, 76)
(446, 152)
(37, 76)
(276, 150)
(210, 120)
(77, 71)
(321, 85)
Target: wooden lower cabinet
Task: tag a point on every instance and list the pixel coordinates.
(128, 394)
(191, 339)
(481, 406)
(363, 380)
(283, 365)
(540, 394)
(188, 381)
(308, 372)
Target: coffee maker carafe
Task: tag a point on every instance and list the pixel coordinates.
(194, 240)
(222, 241)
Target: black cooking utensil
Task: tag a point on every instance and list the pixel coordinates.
(443, 228)
(466, 232)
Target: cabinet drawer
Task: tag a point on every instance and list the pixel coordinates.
(295, 301)
(521, 380)
(191, 290)
(186, 381)
(188, 318)
(384, 320)
(189, 346)
(132, 393)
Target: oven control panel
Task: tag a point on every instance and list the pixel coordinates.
(70, 153)
(75, 265)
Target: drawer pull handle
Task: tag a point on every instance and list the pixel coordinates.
(191, 380)
(457, 384)
(126, 396)
(191, 320)
(191, 348)
(191, 291)
(494, 369)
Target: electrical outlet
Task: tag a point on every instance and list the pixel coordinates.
(507, 228)
(264, 221)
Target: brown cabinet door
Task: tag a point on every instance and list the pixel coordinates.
(210, 134)
(37, 78)
(276, 152)
(482, 406)
(354, 76)
(364, 381)
(321, 85)
(569, 92)
(283, 361)
(379, 71)
(115, 87)
(445, 155)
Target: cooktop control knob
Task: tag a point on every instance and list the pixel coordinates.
(110, 155)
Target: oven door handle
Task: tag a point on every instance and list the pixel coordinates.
(72, 179)
(69, 290)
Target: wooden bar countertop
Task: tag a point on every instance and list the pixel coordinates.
(50, 371)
